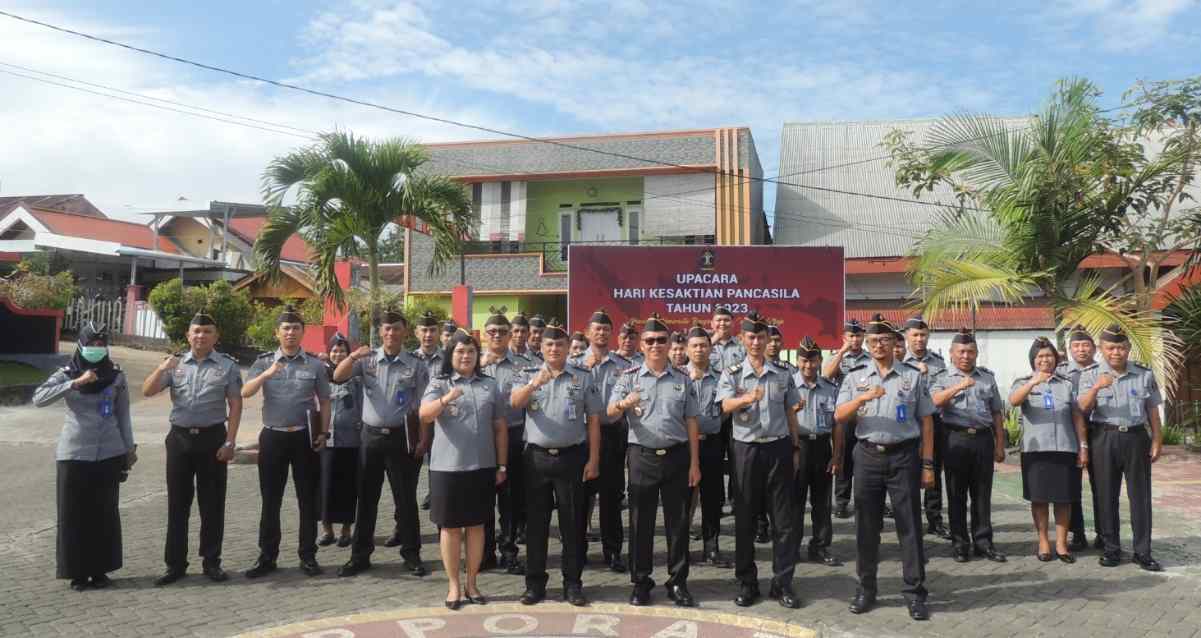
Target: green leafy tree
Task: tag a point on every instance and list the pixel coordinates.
(176, 305)
(348, 191)
(31, 290)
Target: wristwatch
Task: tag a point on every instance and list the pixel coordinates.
(502, 468)
(228, 444)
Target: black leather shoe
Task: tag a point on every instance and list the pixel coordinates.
(695, 535)
(79, 584)
(353, 566)
(393, 540)
(345, 541)
(715, 559)
(488, 564)
(515, 568)
(261, 568)
(939, 530)
(616, 565)
(310, 567)
(918, 610)
(820, 555)
(961, 555)
(991, 553)
(641, 596)
(761, 535)
(326, 540)
(1078, 543)
(1110, 560)
(216, 574)
(862, 603)
(532, 597)
(101, 581)
(415, 566)
(842, 511)
(785, 595)
(1068, 557)
(681, 596)
(171, 576)
(1147, 563)
(575, 596)
(747, 596)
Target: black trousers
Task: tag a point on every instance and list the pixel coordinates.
(898, 474)
(277, 452)
(843, 483)
(813, 484)
(380, 453)
(764, 480)
(339, 484)
(89, 521)
(510, 503)
(554, 480)
(932, 496)
(608, 488)
(655, 476)
(193, 469)
(1077, 522)
(1115, 456)
(711, 490)
(968, 459)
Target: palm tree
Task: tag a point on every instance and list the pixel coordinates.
(348, 191)
(1034, 202)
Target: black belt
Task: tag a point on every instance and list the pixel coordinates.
(553, 451)
(657, 451)
(1117, 428)
(806, 436)
(382, 430)
(888, 448)
(764, 440)
(191, 430)
(970, 431)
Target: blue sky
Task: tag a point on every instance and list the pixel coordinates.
(537, 67)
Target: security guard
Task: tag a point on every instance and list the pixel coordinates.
(677, 354)
(627, 343)
(1082, 352)
(290, 380)
(973, 416)
(579, 343)
(815, 419)
(429, 350)
(664, 461)
(775, 346)
(449, 328)
(605, 367)
(918, 354)
(205, 392)
(1121, 399)
(762, 397)
(519, 344)
(850, 355)
(727, 351)
(501, 363)
(703, 379)
(534, 345)
(890, 406)
(563, 409)
(393, 384)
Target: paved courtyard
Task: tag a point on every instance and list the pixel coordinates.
(980, 598)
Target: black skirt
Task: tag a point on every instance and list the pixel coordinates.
(462, 499)
(89, 524)
(1050, 477)
(339, 484)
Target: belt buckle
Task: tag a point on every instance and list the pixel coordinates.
(385, 430)
(1123, 428)
(702, 437)
(553, 451)
(193, 430)
(661, 452)
(971, 431)
(881, 448)
(812, 437)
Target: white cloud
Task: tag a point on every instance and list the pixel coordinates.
(1125, 26)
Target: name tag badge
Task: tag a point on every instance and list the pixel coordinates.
(400, 396)
(902, 413)
(106, 403)
(572, 414)
(1048, 401)
(1136, 404)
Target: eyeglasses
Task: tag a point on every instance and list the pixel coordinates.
(496, 332)
(655, 341)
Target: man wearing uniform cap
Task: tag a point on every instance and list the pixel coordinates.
(1082, 352)
(206, 393)
(815, 420)
(664, 461)
(534, 343)
(775, 345)
(579, 343)
(519, 340)
(973, 417)
(393, 382)
(889, 404)
(726, 351)
(449, 328)
(502, 364)
(850, 355)
(563, 448)
(1121, 400)
(704, 379)
(606, 366)
(627, 342)
(290, 380)
(917, 341)
(762, 398)
(677, 354)
(429, 350)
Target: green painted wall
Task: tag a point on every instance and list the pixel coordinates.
(546, 305)
(543, 200)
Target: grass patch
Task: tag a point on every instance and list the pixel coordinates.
(13, 373)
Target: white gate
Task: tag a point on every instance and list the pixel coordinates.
(147, 322)
(103, 312)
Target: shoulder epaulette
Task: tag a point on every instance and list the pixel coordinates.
(935, 355)
(631, 370)
(986, 370)
(442, 377)
(265, 355)
(911, 365)
(1062, 377)
(858, 367)
(1140, 366)
(1089, 366)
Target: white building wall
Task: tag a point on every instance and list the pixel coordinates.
(1005, 352)
(674, 205)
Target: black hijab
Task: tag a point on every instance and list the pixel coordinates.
(106, 371)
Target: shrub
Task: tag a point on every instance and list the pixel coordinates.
(31, 290)
(231, 309)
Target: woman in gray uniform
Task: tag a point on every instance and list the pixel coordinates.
(95, 453)
(340, 456)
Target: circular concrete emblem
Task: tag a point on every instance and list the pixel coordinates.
(547, 620)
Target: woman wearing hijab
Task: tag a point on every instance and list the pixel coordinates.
(95, 453)
(1052, 429)
(340, 456)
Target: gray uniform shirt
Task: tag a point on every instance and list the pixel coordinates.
(346, 413)
(705, 388)
(200, 387)
(557, 414)
(768, 417)
(852, 360)
(895, 417)
(290, 393)
(505, 371)
(726, 354)
(1047, 415)
(526, 359)
(1128, 401)
(464, 439)
(392, 388)
(96, 426)
(666, 400)
(433, 361)
(973, 407)
(817, 417)
(1071, 370)
(934, 363)
(604, 376)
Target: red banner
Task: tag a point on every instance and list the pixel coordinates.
(801, 289)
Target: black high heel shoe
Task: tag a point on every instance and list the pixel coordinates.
(454, 605)
(477, 599)
(1066, 557)
(1046, 558)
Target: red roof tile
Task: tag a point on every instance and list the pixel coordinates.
(86, 227)
(991, 318)
(77, 204)
(248, 229)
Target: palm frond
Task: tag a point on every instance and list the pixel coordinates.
(281, 224)
(965, 284)
(961, 234)
(987, 151)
